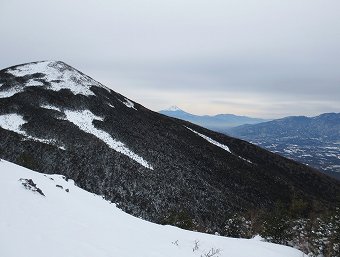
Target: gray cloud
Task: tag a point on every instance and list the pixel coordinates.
(254, 57)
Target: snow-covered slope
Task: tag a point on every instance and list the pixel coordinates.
(47, 215)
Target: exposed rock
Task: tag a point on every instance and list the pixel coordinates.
(30, 185)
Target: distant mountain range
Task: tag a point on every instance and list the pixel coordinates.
(216, 122)
(311, 140)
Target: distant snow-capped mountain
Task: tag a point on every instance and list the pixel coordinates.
(48, 215)
(55, 119)
(173, 108)
(217, 122)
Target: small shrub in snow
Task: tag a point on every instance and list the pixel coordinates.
(175, 242)
(196, 246)
(238, 226)
(30, 185)
(212, 252)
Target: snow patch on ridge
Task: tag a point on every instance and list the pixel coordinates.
(128, 103)
(50, 107)
(13, 122)
(57, 74)
(245, 159)
(9, 92)
(212, 141)
(84, 120)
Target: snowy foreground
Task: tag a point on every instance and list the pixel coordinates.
(61, 219)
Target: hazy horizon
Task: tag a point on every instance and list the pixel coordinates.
(265, 59)
(213, 114)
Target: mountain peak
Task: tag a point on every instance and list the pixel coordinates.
(55, 75)
(38, 66)
(173, 108)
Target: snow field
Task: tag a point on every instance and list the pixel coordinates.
(78, 223)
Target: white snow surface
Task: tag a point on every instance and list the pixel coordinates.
(78, 223)
(128, 103)
(84, 120)
(245, 159)
(58, 74)
(13, 122)
(51, 107)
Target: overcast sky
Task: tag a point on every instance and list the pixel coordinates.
(259, 58)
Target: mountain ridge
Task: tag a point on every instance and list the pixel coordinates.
(218, 122)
